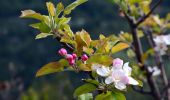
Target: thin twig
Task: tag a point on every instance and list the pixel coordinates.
(147, 15)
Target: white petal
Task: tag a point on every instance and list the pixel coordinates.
(109, 80)
(156, 71)
(127, 69)
(167, 39)
(132, 81)
(120, 86)
(103, 71)
(94, 67)
(150, 69)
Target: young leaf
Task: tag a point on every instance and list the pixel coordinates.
(119, 47)
(59, 8)
(42, 27)
(31, 14)
(89, 51)
(43, 35)
(51, 8)
(72, 6)
(85, 37)
(86, 88)
(52, 67)
(79, 43)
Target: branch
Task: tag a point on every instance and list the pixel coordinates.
(147, 15)
(158, 60)
(139, 52)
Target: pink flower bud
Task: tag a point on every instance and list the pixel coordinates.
(69, 57)
(117, 63)
(74, 56)
(84, 57)
(62, 52)
(72, 62)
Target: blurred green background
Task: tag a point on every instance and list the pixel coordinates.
(21, 55)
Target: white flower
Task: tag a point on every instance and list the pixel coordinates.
(118, 74)
(161, 43)
(155, 71)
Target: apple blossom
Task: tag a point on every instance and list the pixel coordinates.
(161, 43)
(62, 52)
(118, 74)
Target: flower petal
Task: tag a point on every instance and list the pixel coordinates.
(132, 81)
(167, 39)
(109, 80)
(127, 69)
(120, 86)
(103, 71)
(117, 63)
(94, 67)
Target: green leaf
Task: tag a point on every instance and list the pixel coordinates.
(68, 30)
(31, 14)
(64, 20)
(87, 96)
(86, 88)
(72, 6)
(95, 82)
(110, 96)
(43, 35)
(42, 27)
(100, 59)
(52, 67)
(59, 8)
(51, 8)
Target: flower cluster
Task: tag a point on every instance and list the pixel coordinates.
(71, 58)
(118, 74)
(161, 43)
